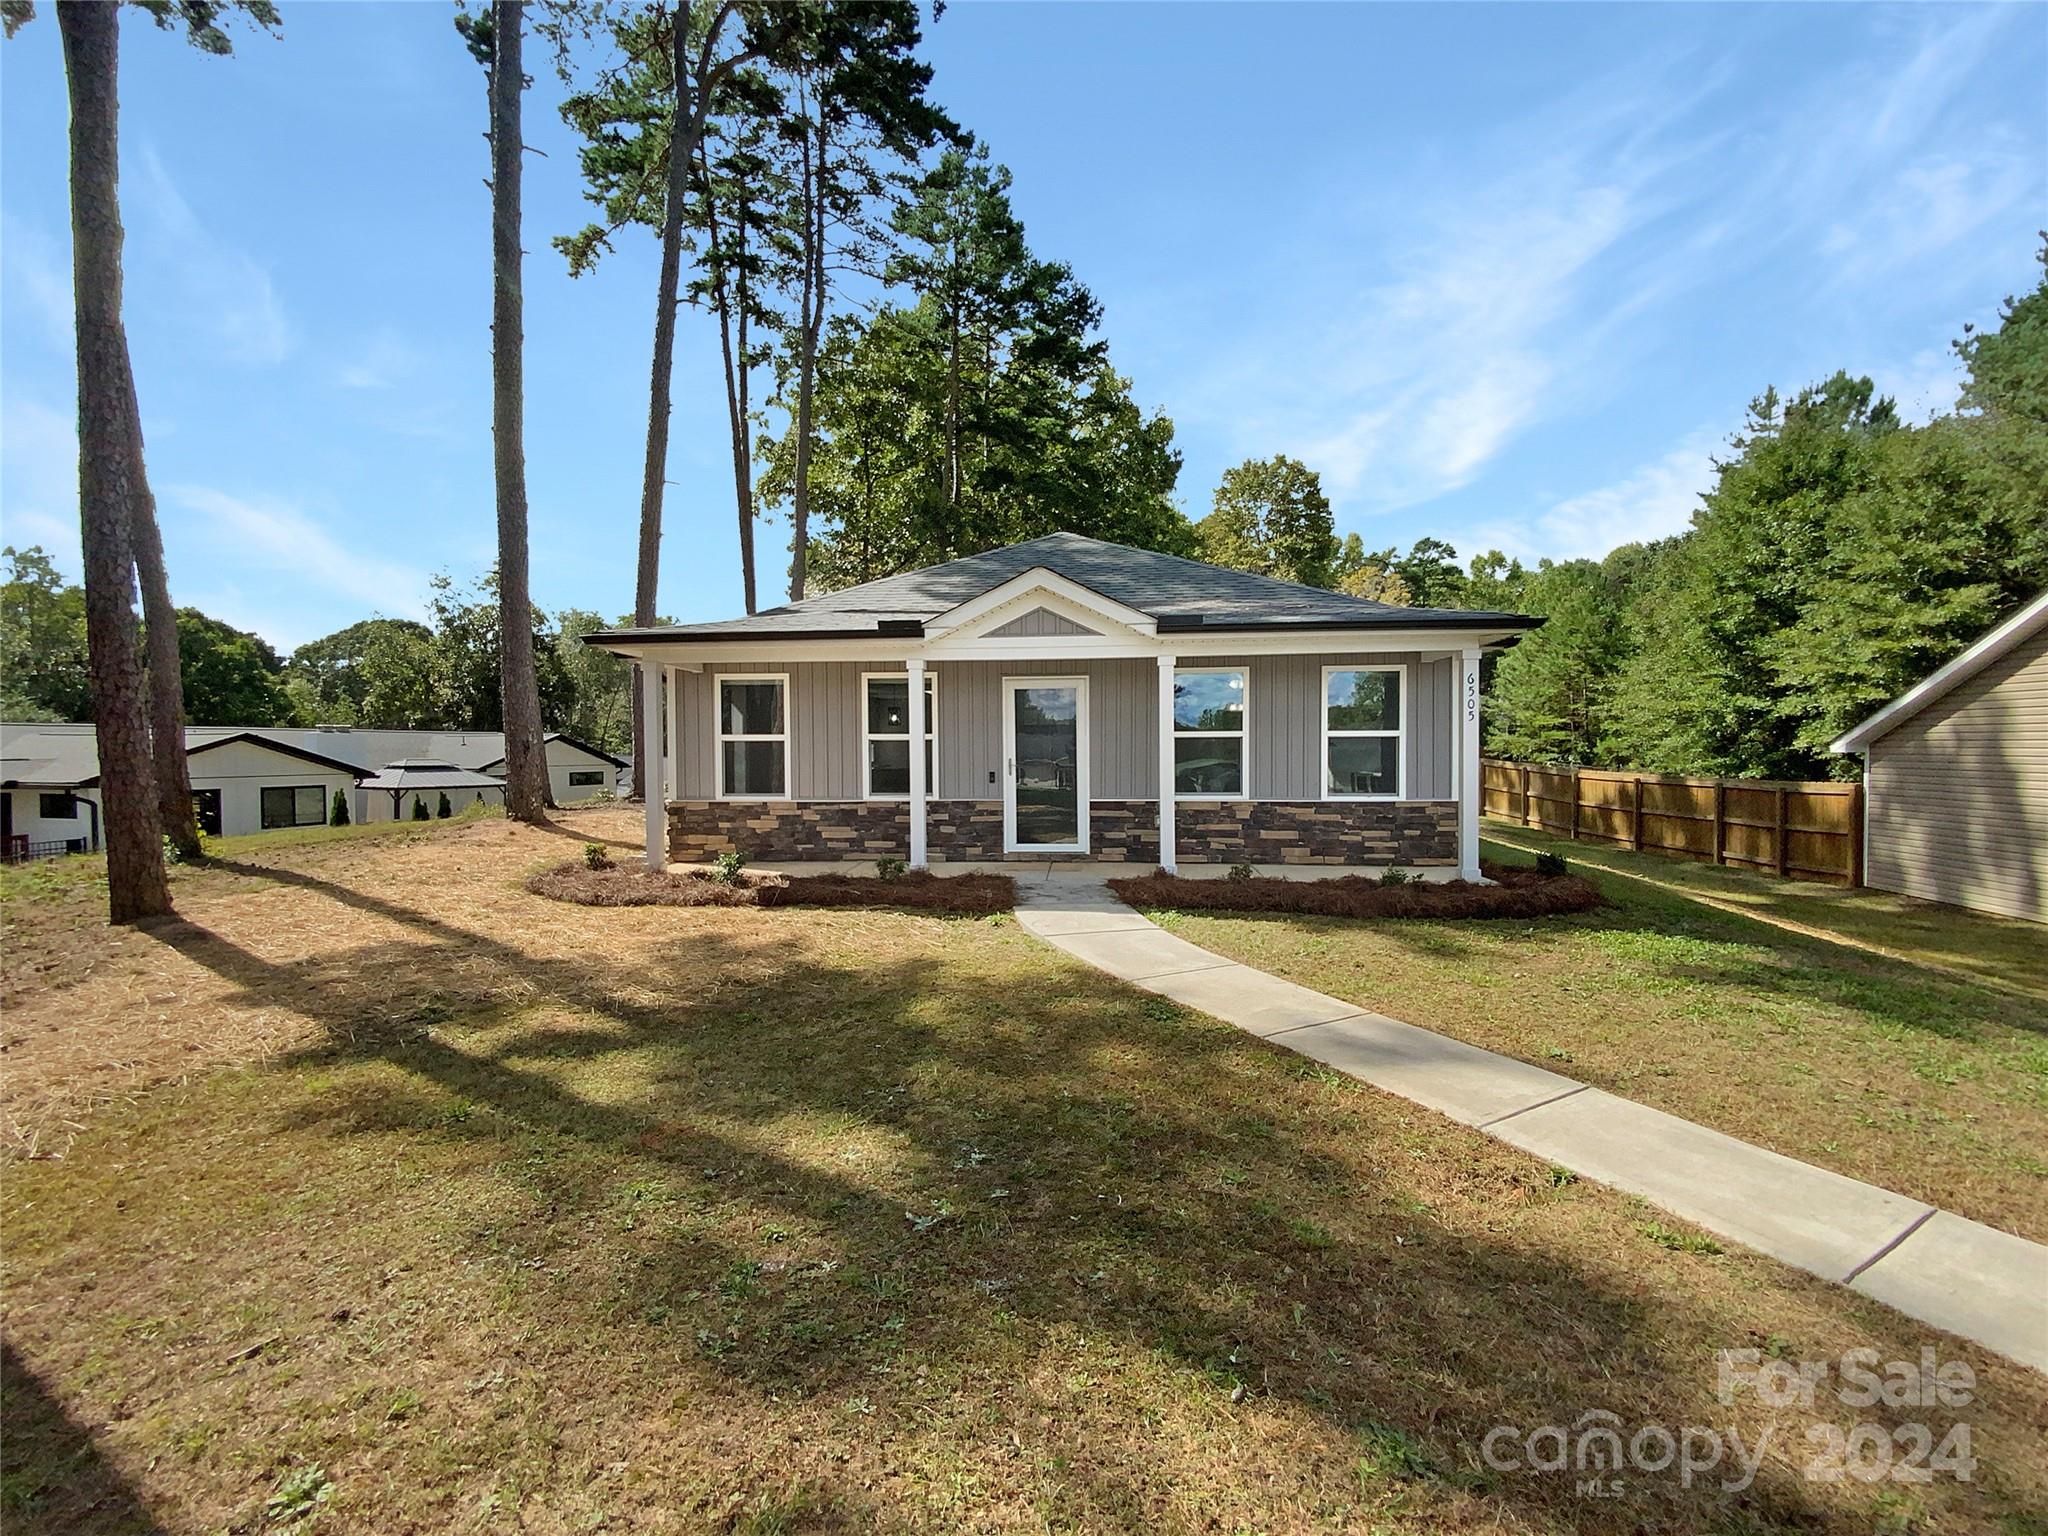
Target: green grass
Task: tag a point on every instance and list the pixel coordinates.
(2000, 950)
(1931, 1082)
(730, 1220)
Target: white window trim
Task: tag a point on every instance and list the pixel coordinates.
(1399, 733)
(931, 730)
(718, 682)
(1243, 733)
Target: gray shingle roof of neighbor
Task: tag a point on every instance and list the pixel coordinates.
(1180, 594)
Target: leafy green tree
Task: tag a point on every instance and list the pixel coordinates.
(1430, 572)
(326, 676)
(600, 682)
(464, 666)
(1271, 516)
(231, 677)
(1548, 692)
(419, 810)
(337, 813)
(443, 810)
(43, 672)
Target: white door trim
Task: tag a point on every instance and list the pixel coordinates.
(1010, 687)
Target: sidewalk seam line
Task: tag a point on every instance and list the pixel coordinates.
(1185, 970)
(1356, 1013)
(1911, 1227)
(1555, 1098)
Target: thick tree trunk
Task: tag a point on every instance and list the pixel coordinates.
(526, 768)
(812, 320)
(174, 811)
(654, 469)
(136, 886)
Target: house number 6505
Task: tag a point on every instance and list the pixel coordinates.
(1472, 694)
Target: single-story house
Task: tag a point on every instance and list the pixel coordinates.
(1055, 686)
(256, 778)
(1956, 777)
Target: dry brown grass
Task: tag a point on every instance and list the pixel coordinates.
(617, 885)
(711, 1220)
(1516, 892)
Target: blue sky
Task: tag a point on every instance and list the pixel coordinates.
(1503, 275)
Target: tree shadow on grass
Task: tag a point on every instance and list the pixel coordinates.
(1060, 1158)
(54, 1477)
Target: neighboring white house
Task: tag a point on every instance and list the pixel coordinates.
(259, 778)
(1956, 777)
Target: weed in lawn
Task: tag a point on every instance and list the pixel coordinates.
(297, 1497)
(1390, 1454)
(1677, 1241)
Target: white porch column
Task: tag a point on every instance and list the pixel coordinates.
(1468, 764)
(672, 735)
(653, 775)
(1166, 828)
(918, 788)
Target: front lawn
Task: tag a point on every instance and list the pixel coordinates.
(469, 1210)
(1925, 1081)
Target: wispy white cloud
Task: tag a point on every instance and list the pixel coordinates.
(39, 479)
(384, 360)
(36, 279)
(229, 291)
(1924, 386)
(268, 533)
(1652, 502)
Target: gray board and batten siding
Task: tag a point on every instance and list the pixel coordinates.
(824, 722)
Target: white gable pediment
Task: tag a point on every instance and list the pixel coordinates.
(1039, 609)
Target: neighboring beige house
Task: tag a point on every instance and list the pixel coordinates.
(1956, 777)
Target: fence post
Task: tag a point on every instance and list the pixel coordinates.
(1784, 837)
(1575, 803)
(1720, 822)
(1635, 839)
(1856, 793)
(1525, 796)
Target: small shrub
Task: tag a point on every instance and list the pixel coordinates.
(1396, 876)
(299, 1494)
(419, 809)
(725, 869)
(444, 810)
(1516, 892)
(596, 856)
(891, 869)
(1552, 865)
(337, 815)
(1241, 870)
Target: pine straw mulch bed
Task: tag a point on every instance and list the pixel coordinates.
(619, 885)
(1517, 891)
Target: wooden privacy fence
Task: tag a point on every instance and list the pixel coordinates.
(1804, 831)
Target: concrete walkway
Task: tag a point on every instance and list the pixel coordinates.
(1959, 1275)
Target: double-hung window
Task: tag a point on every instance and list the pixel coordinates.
(296, 805)
(1209, 733)
(885, 733)
(583, 778)
(1362, 732)
(753, 737)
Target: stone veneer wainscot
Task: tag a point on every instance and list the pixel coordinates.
(1330, 832)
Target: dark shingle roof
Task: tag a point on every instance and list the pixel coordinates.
(1181, 594)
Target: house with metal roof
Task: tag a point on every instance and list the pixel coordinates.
(1955, 777)
(261, 778)
(1066, 697)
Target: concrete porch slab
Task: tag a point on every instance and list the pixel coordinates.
(1138, 954)
(1820, 1221)
(1972, 1280)
(1472, 1086)
(1255, 1002)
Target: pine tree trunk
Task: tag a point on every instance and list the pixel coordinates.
(682, 146)
(136, 886)
(526, 768)
(166, 680)
(813, 316)
(742, 424)
(735, 405)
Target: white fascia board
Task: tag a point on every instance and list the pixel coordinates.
(2022, 626)
(695, 655)
(1082, 604)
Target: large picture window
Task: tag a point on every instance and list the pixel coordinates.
(295, 805)
(1362, 733)
(885, 733)
(1209, 733)
(753, 738)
